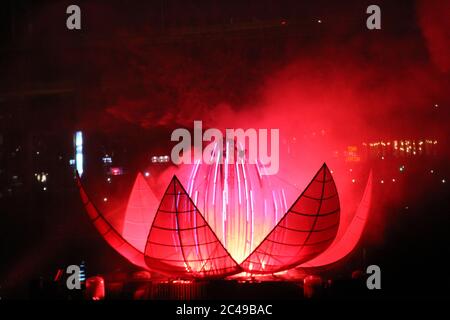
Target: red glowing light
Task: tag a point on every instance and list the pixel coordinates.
(115, 171)
(139, 214)
(95, 288)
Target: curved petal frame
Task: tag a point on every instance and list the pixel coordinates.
(305, 231)
(139, 213)
(341, 248)
(182, 243)
(108, 232)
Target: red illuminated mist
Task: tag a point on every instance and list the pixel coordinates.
(342, 87)
(324, 86)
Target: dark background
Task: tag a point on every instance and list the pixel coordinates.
(137, 70)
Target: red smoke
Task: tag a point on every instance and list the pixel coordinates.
(346, 86)
(435, 25)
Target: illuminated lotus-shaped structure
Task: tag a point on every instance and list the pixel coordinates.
(176, 239)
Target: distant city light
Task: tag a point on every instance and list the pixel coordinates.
(160, 159)
(79, 152)
(443, 181)
(147, 174)
(116, 171)
(353, 180)
(82, 275)
(319, 21)
(108, 179)
(436, 105)
(105, 199)
(44, 188)
(402, 168)
(393, 180)
(401, 147)
(41, 177)
(431, 171)
(382, 181)
(107, 159)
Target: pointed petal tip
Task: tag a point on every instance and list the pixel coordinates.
(139, 175)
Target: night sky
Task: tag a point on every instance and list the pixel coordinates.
(166, 63)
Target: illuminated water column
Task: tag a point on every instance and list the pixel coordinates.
(240, 203)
